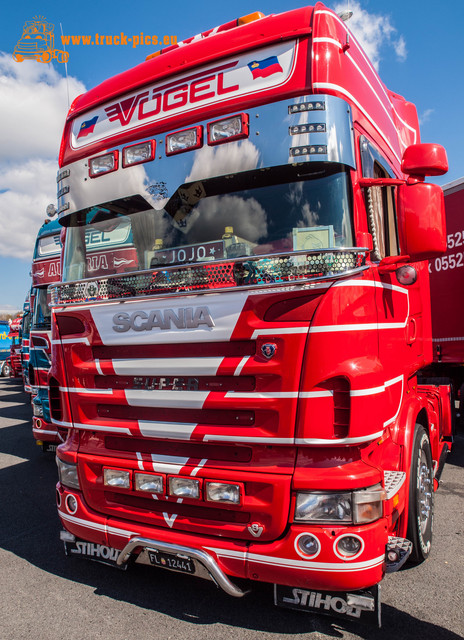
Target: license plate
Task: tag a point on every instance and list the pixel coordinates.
(171, 561)
(336, 604)
(91, 551)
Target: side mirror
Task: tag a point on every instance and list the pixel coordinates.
(421, 217)
(424, 160)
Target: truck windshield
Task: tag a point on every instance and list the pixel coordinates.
(265, 211)
(42, 313)
(48, 246)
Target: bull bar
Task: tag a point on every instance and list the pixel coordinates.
(206, 561)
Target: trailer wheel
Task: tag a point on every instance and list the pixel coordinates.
(420, 513)
(6, 369)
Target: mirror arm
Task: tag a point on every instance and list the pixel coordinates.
(365, 183)
(391, 263)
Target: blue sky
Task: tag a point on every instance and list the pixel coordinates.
(416, 45)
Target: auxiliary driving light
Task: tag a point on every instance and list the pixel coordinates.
(117, 478)
(222, 492)
(308, 545)
(184, 140)
(103, 164)
(233, 128)
(138, 153)
(184, 487)
(348, 546)
(149, 482)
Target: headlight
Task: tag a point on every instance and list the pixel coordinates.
(357, 507)
(37, 410)
(323, 507)
(67, 474)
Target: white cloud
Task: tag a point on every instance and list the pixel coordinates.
(373, 32)
(33, 107)
(425, 116)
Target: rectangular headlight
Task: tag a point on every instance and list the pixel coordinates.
(138, 153)
(184, 487)
(222, 492)
(149, 482)
(67, 474)
(232, 128)
(117, 478)
(323, 507)
(184, 140)
(103, 164)
(37, 410)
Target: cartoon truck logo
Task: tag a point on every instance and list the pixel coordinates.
(38, 43)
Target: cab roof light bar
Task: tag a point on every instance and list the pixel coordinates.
(238, 22)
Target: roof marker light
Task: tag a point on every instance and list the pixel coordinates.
(251, 17)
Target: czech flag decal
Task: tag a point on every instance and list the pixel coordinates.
(87, 127)
(264, 68)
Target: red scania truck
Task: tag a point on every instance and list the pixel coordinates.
(242, 394)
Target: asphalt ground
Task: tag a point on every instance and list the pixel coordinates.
(44, 594)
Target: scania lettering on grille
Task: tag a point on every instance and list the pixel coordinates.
(171, 384)
(163, 319)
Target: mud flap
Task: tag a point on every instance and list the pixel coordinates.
(362, 606)
(93, 551)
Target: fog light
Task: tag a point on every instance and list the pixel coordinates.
(117, 478)
(38, 423)
(348, 546)
(184, 487)
(221, 492)
(138, 153)
(228, 129)
(149, 482)
(184, 140)
(103, 164)
(307, 545)
(71, 503)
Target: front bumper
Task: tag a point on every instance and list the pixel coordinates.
(276, 562)
(44, 431)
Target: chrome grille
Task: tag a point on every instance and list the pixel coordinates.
(275, 269)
